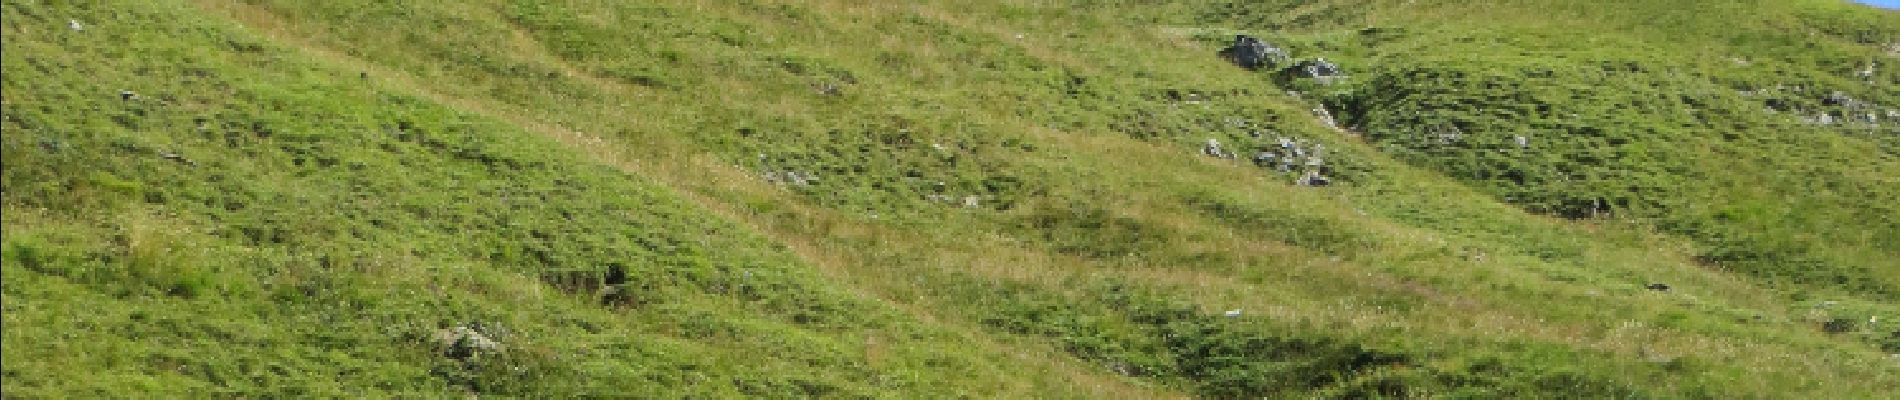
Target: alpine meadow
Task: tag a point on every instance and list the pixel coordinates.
(925, 199)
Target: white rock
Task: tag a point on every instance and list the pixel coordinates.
(463, 342)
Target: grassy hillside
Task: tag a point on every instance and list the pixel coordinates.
(946, 199)
(1764, 130)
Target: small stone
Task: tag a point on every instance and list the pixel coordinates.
(1264, 158)
(1320, 70)
(828, 89)
(463, 342)
(1326, 117)
(1313, 178)
(1212, 148)
(1251, 53)
(1838, 98)
(1838, 325)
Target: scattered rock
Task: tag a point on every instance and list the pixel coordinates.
(1320, 70)
(1448, 136)
(827, 89)
(464, 342)
(1234, 313)
(1326, 117)
(1264, 158)
(1838, 325)
(1841, 99)
(1313, 178)
(793, 178)
(75, 25)
(1251, 53)
(128, 95)
(1213, 149)
(1777, 105)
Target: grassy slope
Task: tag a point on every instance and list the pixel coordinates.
(1097, 233)
(322, 232)
(1678, 114)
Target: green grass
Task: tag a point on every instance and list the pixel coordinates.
(304, 193)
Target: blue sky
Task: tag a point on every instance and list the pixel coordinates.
(1883, 3)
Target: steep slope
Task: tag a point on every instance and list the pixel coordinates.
(246, 222)
(846, 198)
(1765, 130)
